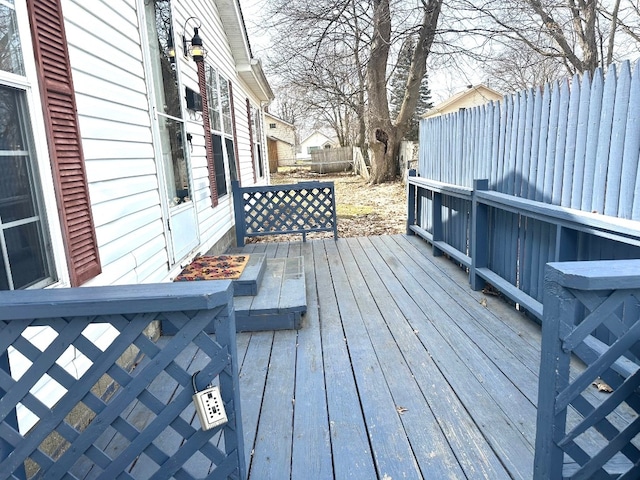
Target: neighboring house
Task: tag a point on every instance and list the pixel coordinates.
(281, 141)
(316, 141)
(111, 171)
(471, 97)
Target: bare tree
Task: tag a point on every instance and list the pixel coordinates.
(320, 53)
(530, 40)
(385, 135)
(512, 70)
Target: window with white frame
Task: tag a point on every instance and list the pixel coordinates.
(256, 124)
(221, 120)
(167, 100)
(25, 247)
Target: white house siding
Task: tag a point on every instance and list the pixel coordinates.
(115, 124)
(214, 223)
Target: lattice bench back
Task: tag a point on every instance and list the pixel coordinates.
(284, 209)
(137, 421)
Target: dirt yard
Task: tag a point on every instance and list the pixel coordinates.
(362, 209)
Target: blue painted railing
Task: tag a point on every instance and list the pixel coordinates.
(124, 408)
(299, 208)
(507, 240)
(579, 436)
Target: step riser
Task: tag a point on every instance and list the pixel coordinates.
(253, 323)
(249, 282)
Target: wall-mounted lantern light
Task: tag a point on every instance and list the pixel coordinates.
(194, 46)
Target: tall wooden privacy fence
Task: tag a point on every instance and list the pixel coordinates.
(112, 421)
(574, 144)
(546, 176)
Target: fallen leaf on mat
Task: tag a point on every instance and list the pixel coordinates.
(401, 410)
(483, 302)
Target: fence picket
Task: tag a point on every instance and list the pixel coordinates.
(581, 142)
(574, 144)
(604, 141)
(616, 152)
(595, 106)
(552, 138)
(630, 196)
(561, 142)
(570, 142)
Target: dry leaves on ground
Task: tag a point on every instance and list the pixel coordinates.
(362, 209)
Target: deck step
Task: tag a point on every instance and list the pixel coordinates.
(249, 281)
(281, 297)
(281, 300)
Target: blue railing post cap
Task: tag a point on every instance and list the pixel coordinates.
(595, 275)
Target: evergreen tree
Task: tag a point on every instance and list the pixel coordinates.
(397, 89)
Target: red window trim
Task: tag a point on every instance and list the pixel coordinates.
(63, 135)
(208, 144)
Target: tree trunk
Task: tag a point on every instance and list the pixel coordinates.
(382, 163)
(384, 136)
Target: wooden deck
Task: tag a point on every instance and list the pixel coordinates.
(399, 371)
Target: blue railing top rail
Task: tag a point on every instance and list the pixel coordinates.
(440, 187)
(619, 229)
(595, 275)
(113, 300)
(562, 234)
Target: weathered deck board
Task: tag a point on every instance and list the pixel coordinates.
(480, 386)
(462, 436)
(311, 445)
(350, 449)
(398, 370)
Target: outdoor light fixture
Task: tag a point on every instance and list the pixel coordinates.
(194, 46)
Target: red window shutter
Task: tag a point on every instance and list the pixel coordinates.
(208, 144)
(235, 133)
(253, 158)
(63, 133)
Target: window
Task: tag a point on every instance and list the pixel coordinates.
(272, 125)
(312, 149)
(167, 101)
(257, 141)
(25, 256)
(221, 121)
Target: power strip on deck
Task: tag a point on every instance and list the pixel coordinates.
(210, 408)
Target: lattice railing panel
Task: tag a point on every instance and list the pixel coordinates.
(127, 412)
(582, 431)
(285, 209)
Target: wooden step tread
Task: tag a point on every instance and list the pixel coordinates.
(249, 281)
(281, 299)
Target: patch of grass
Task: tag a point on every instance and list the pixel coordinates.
(349, 210)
